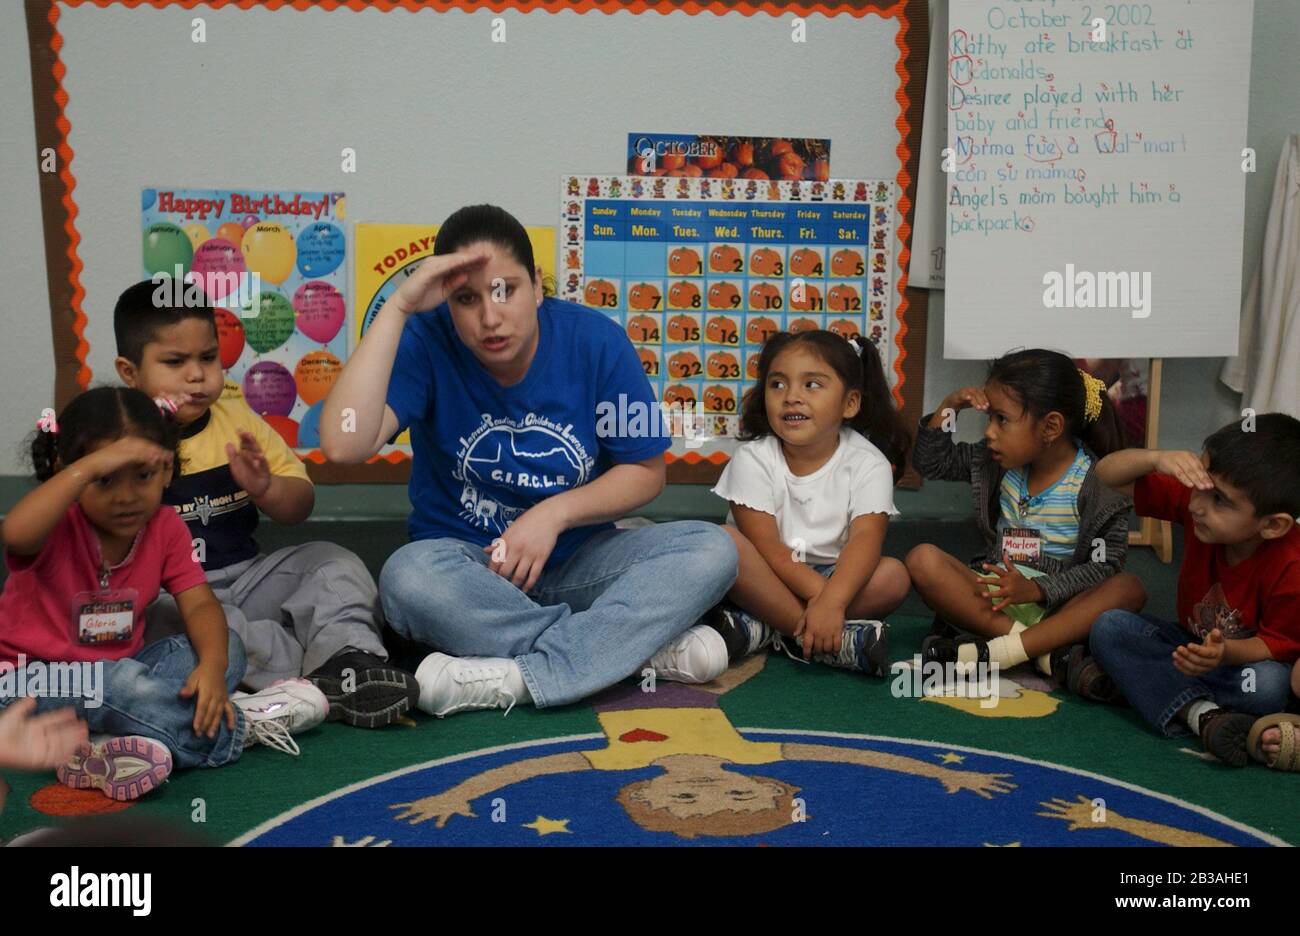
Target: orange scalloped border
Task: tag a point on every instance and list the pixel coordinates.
(896, 10)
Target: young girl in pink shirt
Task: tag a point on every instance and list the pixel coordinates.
(87, 551)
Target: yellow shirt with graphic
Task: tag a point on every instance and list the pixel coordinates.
(216, 509)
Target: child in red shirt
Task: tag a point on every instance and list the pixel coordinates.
(1238, 587)
(87, 551)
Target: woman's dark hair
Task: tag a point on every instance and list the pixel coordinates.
(877, 418)
(474, 224)
(1043, 381)
(102, 414)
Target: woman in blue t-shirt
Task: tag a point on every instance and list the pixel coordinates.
(533, 426)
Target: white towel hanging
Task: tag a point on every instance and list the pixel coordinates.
(1266, 370)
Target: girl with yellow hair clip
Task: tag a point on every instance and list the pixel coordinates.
(1055, 537)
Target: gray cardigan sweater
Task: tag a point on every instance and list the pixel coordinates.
(1103, 512)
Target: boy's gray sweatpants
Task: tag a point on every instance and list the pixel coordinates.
(293, 609)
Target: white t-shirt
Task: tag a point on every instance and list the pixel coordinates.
(815, 509)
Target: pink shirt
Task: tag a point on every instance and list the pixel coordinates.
(36, 609)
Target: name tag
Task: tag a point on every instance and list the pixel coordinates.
(1022, 544)
(105, 616)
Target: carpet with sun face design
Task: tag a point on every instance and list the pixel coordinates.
(776, 752)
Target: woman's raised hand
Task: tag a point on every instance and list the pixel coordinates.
(435, 278)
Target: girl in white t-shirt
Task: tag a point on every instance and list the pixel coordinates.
(811, 492)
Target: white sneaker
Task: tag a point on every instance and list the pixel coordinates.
(451, 684)
(281, 710)
(697, 656)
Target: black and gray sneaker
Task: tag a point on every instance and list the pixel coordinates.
(365, 691)
(864, 648)
(743, 634)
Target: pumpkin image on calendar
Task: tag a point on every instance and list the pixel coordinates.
(643, 329)
(684, 364)
(683, 295)
(643, 297)
(683, 328)
(600, 294)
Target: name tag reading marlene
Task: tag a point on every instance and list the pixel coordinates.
(1022, 544)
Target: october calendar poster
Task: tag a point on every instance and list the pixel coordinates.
(700, 272)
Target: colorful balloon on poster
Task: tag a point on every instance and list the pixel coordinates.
(269, 388)
(219, 265)
(319, 308)
(287, 428)
(197, 234)
(273, 323)
(309, 427)
(315, 373)
(147, 197)
(320, 249)
(230, 337)
(247, 221)
(166, 247)
(232, 232)
(269, 250)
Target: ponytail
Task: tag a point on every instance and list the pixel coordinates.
(878, 419)
(1047, 381)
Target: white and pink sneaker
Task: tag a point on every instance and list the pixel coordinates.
(281, 710)
(124, 768)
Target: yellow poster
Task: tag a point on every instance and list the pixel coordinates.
(386, 254)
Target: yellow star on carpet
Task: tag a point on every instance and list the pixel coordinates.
(951, 758)
(1010, 845)
(546, 826)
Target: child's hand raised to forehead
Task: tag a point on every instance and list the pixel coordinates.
(972, 397)
(435, 279)
(128, 450)
(248, 465)
(1186, 467)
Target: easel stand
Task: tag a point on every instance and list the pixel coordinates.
(1158, 534)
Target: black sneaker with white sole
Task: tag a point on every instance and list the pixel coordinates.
(365, 691)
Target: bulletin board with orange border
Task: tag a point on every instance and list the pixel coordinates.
(900, 93)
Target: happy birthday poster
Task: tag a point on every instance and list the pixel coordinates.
(271, 263)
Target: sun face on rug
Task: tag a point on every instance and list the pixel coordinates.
(998, 696)
(1012, 701)
(668, 767)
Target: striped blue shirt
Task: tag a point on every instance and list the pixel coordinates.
(1054, 512)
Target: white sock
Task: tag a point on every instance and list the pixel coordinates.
(1006, 651)
(1194, 713)
(515, 685)
(1044, 664)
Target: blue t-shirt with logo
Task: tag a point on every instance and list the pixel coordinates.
(482, 453)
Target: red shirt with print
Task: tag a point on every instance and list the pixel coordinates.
(1257, 597)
